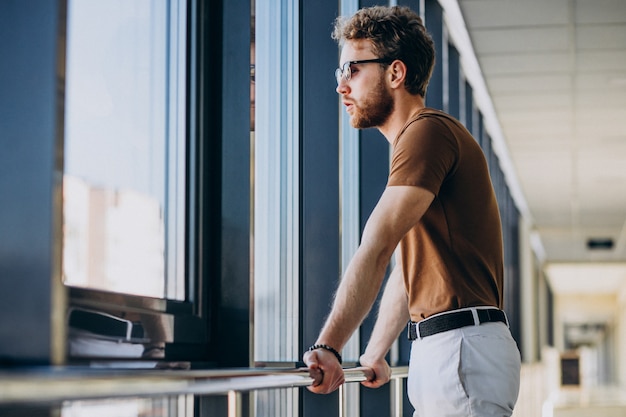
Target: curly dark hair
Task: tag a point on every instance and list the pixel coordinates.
(397, 33)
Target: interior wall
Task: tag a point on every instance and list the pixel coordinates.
(529, 296)
(576, 308)
(620, 338)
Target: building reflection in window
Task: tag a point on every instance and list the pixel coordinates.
(124, 147)
(180, 406)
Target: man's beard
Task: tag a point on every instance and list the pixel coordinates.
(375, 109)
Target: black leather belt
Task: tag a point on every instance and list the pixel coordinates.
(454, 320)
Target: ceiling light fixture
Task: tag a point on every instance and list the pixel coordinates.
(604, 243)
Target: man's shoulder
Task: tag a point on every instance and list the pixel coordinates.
(429, 122)
(435, 114)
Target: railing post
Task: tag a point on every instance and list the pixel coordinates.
(342, 401)
(234, 404)
(397, 398)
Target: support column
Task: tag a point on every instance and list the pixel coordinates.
(32, 72)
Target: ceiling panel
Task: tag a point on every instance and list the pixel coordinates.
(522, 40)
(601, 12)
(531, 102)
(501, 84)
(572, 278)
(607, 36)
(525, 64)
(556, 74)
(599, 60)
(499, 13)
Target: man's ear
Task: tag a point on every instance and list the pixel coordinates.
(397, 73)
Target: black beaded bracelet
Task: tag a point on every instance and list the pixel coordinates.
(328, 348)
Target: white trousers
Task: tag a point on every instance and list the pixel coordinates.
(473, 371)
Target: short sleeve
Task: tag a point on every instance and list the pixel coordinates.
(424, 154)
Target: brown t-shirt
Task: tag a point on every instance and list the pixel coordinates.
(453, 257)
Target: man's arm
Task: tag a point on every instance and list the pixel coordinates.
(393, 314)
(397, 211)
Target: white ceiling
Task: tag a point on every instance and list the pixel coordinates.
(556, 74)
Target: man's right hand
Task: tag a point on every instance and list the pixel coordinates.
(325, 369)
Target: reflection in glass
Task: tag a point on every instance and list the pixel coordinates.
(125, 147)
(180, 406)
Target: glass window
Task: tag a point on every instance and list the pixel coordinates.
(175, 406)
(276, 176)
(124, 175)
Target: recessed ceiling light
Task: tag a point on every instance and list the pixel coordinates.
(603, 243)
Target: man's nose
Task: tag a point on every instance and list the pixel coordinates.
(342, 87)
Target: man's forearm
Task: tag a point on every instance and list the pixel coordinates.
(393, 315)
(353, 299)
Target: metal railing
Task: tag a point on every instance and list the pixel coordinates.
(50, 385)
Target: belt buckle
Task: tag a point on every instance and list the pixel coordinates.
(413, 331)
